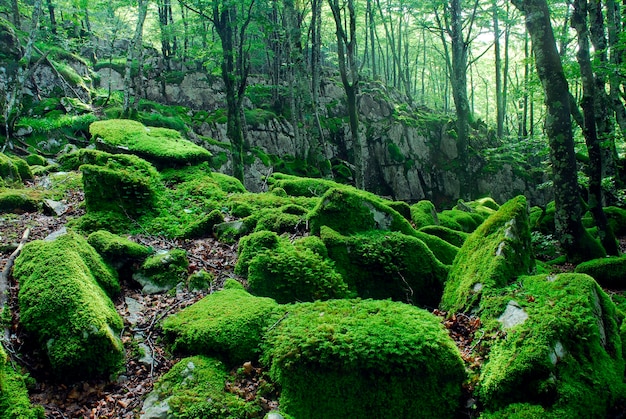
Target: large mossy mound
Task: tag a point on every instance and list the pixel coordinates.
(381, 265)
(229, 324)
(491, 257)
(19, 201)
(363, 358)
(13, 170)
(350, 211)
(63, 302)
(195, 388)
(609, 272)
(14, 402)
(562, 349)
(161, 146)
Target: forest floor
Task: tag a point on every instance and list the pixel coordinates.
(123, 397)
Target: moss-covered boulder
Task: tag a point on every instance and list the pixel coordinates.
(63, 302)
(443, 250)
(10, 47)
(454, 237)
(116, 249)
(460, 220)
(382, 265)
(14, 401)
(423, 213)
(204, 226)
(563, 353)
(19, 201)
(609, 272)
(229, 324)
(162, 271)
(363, 358)
(301, 186)
(617, 219)
(161, 146)
(350, 211)
(14, 170)
(195, 388)
(491, 257)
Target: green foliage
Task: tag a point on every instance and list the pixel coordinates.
(195, 389)
(378, 264)
(164, 269)
(557, 357)
(494, 255)
(518, 411)
(363, 358)
(63, 303)
(161, 146)
(230, 324)
(14, 402)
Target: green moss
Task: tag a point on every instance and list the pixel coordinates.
(19, 201)
(454, 237)
(161, 146)
(163, 270)
(460, 220)
(14, 401)
(494, 255)
(9, 171)
(113, 247)
(401, 207)
(289, 274)
(617, 219)
(301, 186)
(442, 250)
(354, 358)
(609, 272)
(350, 211)
(204, 226)
(200, 280)
(63, 304)
(423, 213)
(381, 265)
(313, 243)
(566, 355)
(285, 219)
(230, 324)
(518, 411)
(195, 389)
(36, 160)
(22, 168)
(251, 246)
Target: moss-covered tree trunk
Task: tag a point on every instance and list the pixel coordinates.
(589, 99)
(572, 235)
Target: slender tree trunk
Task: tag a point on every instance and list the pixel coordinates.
(498, 69)
(17, 18)
(53, 20)
(574, 239)
(131, 55)
(579, 23)
(372, 29)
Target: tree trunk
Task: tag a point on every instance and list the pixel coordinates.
(574, 239)
(135, 44)
(17, 18)
(579, 23)
(348, 68)
(459, 93)
(498, 64)
(53, 20)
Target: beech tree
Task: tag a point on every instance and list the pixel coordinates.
(574, 238)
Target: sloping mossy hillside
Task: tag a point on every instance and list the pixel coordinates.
(194, 389)
(229, 324)
(163, 147)
(14, 401)
(491, 258)
(379, 264)
(63, 302)
(363, 358)
(564, 355)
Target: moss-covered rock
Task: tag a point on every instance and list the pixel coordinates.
(617, 219)
(252, 245)
(14, 401)
(564, 353)
(423, 213)
(116, 248)
(363, 358)
(350, 211)
(204, 226)
(454, 237)
(163, 147)
(443, 250)
(13, 170)
(460, 220)
(382, 265)
(493, 256)
(609, 272)
(519, 411)
(63, 303)
(289, 274)
(195, 389)
(19, 201)
(162, 271)
(229, 324)
(302, 186)
(36, 160)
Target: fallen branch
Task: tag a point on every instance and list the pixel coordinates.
(4, 277)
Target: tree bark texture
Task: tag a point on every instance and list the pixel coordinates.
(572, 235)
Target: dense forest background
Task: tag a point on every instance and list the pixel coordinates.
(479, 71)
